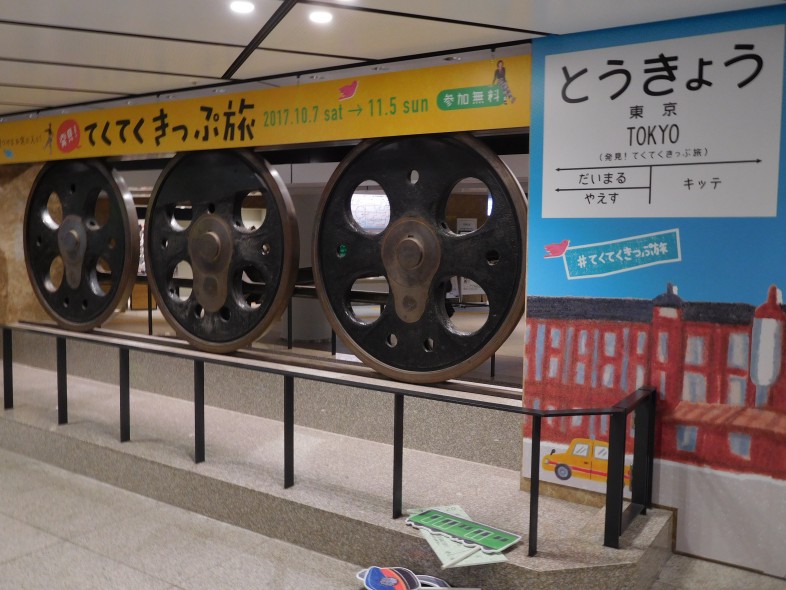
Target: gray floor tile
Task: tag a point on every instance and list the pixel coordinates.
(18, 539)
(65, 566)
(170, 543)
(19, 475)
(696, 574)
(278, 565)
(75, 506)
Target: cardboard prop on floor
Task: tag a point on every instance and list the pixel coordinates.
(454, 553)
(397, 578)
(470, 533)
(459, 553)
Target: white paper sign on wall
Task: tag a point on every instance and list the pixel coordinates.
(684, 127)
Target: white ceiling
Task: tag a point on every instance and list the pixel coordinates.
(55, 53)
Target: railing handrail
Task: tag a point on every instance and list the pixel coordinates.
(141, 343)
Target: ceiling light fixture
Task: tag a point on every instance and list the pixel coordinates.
(320, 17)
(242, 6)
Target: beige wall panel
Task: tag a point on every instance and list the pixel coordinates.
(17, 300)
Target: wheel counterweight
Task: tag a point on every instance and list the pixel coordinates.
(81, 241)
(414, 338)
(221, 247)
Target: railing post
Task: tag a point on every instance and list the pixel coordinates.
(8, 369)
(199, 411)
(125, 395)
(62, 382)
(149, 311)
(534, 485)
(290, 338)
(289, 431)
(652, 404)
(644, 424)
(398, 453)
(616, 480)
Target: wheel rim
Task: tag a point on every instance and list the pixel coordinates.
(414, 339)
(81, 241)
(243, 272)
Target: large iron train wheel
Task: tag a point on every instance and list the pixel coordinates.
(221, 247)
(414, 339)
(81, 242)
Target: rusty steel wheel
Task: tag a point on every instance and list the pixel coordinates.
(414, 338)
(221, 247)
(81, 242)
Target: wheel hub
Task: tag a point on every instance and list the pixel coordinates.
(210, 248)
(72, 242)
(411, 255)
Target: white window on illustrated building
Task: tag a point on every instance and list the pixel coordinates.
(583, 335)
(740, 444)
(686, 438)
(639, 376)
(736, 392)
(608, 376)
(694, 387)
(580, 369)
(641, 343)
(739, 351)
(604, 424)
(553, 367)
(609, 343)
(556, 335)
(695, 351)
(663, 347)
(576, 421)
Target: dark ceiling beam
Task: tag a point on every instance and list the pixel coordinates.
(439, 19)
(268, 27)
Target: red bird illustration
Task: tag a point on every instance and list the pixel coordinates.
(348, 91)
(556, 250)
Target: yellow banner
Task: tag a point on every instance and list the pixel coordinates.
(489, 94)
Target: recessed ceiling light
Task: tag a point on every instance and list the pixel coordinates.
(320, 17)
(242, 6)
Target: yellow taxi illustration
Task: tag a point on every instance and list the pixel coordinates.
(585, 458)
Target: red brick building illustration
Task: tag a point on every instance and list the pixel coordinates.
(718, 369)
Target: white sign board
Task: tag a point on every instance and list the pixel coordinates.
(684, 127)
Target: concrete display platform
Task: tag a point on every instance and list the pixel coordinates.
(340, 504)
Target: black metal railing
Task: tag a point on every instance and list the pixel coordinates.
(641, 401)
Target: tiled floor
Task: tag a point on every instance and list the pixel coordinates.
(61, 531)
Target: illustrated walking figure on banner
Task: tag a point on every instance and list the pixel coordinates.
(501, 81)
